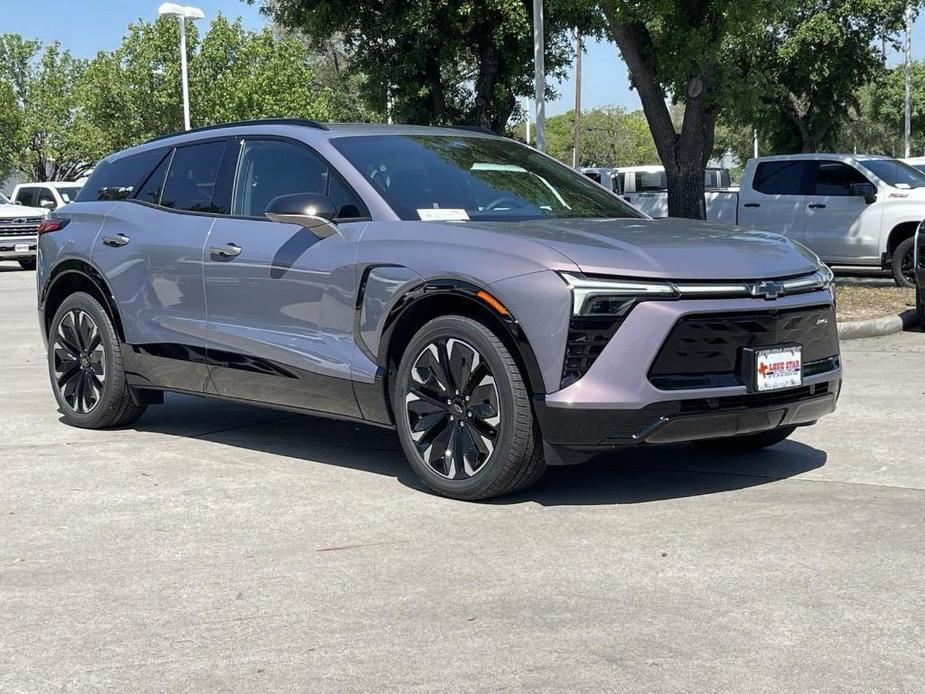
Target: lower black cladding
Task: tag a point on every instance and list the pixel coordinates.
(685, 420)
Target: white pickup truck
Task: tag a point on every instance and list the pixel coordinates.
(19, 232)
(854, 210)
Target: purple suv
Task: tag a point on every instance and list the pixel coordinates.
(498, 309)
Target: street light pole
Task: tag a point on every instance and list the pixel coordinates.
(539, 75)
(182, 13)
(576, 152)
(907, 73)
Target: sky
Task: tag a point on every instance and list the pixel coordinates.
(87, 26)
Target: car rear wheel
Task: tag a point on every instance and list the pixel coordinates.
(904, 263)
(746, 442)
(463, 412)
(85, 366)
(27, 263)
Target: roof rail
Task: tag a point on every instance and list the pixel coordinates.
(304, 122)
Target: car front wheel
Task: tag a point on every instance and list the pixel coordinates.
(463, 412)
(85, 366)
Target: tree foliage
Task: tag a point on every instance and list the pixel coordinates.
(440, 61)
(60, 114)
(811, 65)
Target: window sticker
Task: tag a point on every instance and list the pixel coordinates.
(448, 214)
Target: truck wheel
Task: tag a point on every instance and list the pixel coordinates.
(463, 412)
(27, 263)
(747, 442)
(85, 366)
(903, 263)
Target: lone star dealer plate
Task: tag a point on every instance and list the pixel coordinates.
(777, 368)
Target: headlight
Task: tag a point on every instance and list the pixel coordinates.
(605, 297)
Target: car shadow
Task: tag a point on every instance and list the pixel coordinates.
(626, 476)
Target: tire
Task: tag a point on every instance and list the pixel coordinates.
(903, 264)
(27, 263)
(747, 442)
(85, 366)
(497, 448)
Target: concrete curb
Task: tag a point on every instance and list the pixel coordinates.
(853, 330)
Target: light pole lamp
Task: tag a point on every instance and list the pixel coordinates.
(182, 13)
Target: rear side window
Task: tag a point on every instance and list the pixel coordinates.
(118, 179)
(649, 181)
(191, 179)
(836, 178)
(780, 177)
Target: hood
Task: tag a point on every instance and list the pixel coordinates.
(665, 248)
(16, 211)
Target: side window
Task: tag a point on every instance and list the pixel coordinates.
(835, 178)
(26, 196)
(270, 168)
(593, 175)
(191, 178)
(154, 186)
(780, 177)
(650, 181)
(116, 180)
(621, 182)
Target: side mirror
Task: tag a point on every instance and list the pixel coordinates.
(865, 190)
(309, 210)
(47, 204)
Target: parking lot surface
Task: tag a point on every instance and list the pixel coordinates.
(218, 547)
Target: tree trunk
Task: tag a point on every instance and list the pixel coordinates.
(684, 155)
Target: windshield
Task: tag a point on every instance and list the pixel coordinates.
(444, 177)
(68, 193)
(895, 173)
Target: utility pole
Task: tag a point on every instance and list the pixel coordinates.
(576, 152)
(755, 142)
(907, 72)
(539, 75)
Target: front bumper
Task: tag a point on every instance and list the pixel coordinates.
(18, 247)
(616, 402)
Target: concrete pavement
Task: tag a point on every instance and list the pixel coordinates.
(217, 547)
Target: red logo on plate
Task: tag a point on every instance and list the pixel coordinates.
(763, 368)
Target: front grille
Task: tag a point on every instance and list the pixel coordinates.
(587, 337)
(26, 226)
(705, 350)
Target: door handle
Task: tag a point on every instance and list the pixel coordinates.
(752, 204)
(230, 250)
(816, 206)
(116, 241)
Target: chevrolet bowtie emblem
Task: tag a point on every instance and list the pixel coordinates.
(768, 290)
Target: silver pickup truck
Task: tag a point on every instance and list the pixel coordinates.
(19, 227)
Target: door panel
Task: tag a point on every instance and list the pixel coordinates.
(840, 226)
(153, 262)
(281, 314)
(776, 199)
(281, 301)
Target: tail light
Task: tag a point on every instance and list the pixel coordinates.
(50, 224)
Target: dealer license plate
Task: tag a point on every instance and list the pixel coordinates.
(20, 248)
(778, 367)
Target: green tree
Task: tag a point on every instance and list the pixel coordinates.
(678, 51)
(610, 137)
(877, 124)
(440, 61)
(46, 135)
(810, 66)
